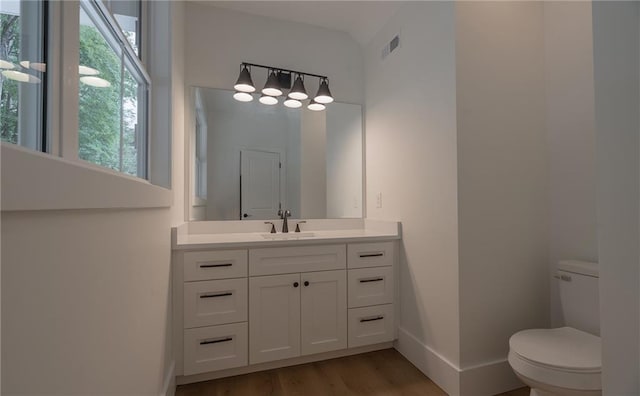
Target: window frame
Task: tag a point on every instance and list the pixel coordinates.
(31, 188)
(131, 63)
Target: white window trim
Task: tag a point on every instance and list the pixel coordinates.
(59, 180)
(45, 182)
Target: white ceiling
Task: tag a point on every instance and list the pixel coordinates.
(361, 19)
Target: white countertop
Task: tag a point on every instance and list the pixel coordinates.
(324, 231)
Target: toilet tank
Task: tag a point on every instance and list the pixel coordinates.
(579, 294)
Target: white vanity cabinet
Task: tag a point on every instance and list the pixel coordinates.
(241, 310)
(299, 313)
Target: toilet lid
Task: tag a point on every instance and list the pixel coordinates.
(564, 348)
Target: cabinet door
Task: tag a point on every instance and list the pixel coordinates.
(274, 317)
(324, 311)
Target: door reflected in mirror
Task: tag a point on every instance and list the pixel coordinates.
(249, 161)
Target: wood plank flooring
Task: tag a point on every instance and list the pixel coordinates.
(384, 372)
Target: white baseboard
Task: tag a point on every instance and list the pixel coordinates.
(488, 379)
(435, 366)
(169, 386)
(485, 379)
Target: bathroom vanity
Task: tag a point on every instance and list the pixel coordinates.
(247, 300)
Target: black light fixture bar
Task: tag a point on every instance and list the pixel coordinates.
(284, 70)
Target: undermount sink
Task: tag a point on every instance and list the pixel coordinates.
(290, 235)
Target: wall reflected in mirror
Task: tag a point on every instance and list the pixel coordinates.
(249, 160)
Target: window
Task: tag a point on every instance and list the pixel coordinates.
(127, 14)
(113, 90)
(113, 85)
(23, 68)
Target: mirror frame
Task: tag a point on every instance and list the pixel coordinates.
(190, 198)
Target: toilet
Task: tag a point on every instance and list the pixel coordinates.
(565, 361)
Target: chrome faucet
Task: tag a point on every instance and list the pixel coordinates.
(284, 215)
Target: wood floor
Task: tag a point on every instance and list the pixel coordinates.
(376, 373)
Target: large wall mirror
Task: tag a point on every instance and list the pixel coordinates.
(249, 160)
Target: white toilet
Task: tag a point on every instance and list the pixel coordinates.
(566, 360)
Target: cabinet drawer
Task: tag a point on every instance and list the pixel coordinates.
(370, 325)
(208, 303)
(222, 264)
(271, 261)
(370, 286)
(377, 254)
(215, 348)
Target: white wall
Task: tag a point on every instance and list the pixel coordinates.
(344, 169)
(85, 302)
(568, 44)
(218, 40)
(617, 102)
(411, 158)
(502, 181)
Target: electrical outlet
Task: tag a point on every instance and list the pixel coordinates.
(379, 200)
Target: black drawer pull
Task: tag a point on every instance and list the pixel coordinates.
(216, 341)
(365, 255)
(372, 319)
(215, 265)
(216, 295)
(371, 280)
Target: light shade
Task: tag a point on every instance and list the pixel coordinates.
(87, 71)
(95, 81)
(244, 83)
(41, 67)
(272, 87)
(297, 91)
(20, 76)
(6, 64)
(243, 96)
(268, 100)
(315, 106)
(293, 103)
(324, 95)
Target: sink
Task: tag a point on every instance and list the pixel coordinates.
(290, 235)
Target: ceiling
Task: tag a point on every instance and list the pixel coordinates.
(361, 19)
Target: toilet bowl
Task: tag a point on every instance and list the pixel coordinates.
(564, 361)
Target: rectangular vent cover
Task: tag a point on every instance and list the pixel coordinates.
(393, 45)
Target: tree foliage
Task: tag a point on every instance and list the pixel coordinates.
(103, 111)
(9, 48)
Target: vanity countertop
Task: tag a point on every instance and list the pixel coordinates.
(209, 236)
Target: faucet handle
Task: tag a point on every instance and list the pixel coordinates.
(273, 226)
(298, 225)
(287, 213)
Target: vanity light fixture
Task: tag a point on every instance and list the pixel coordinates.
(279, 81)
(315, 106)
(244, 82)
(6, 64)
(293, 103)
(268, 100)
(324, 95)
(243, 96)
(297, 91)
(272, 87)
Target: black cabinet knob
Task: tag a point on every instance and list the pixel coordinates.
(296, 284)
(306, 283)
(245, 215)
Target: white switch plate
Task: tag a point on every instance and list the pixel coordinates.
(379, 200)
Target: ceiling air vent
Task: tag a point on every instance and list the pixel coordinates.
(392, 46)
